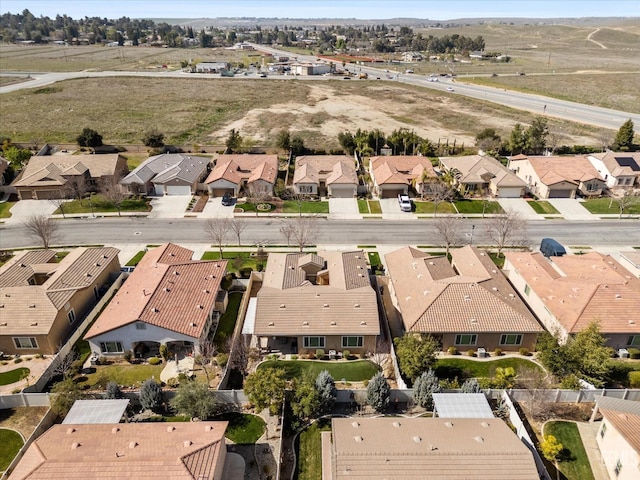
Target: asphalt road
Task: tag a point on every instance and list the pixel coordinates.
(113, 230)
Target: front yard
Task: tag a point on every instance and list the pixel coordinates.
(4, 209)
(286, 206)
(237, 260)
(606, 206)
(350, 371)
(476, 206)
(542, 207)
(427, 207)
(574, 463)
(101, 204)
(369, 207)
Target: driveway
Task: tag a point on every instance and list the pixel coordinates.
(391, 210)
(23, 209)
(169, 206)
(215, 209)
(519, 205)
(571, 209)
(344, 209)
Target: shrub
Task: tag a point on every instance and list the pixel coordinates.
(346, 354)
(4, 362)
(634, 379)
(28, 359)
(113, 391)
(155, 361)
(634, 353)
(245, 272)
(102, 361)
(571, 382)
(497, 352)
(524, 352)
(222, 359)
(17, 360)
(378, 392)
(294, 357)
(128, 356)
(150, 395)
(173, 382)
(164, 352)
(471, 352)
(452, 351)
(311, 356)
(320, 353)
(260, 267)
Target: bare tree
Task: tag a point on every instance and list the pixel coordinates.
(303, 230)
(507, 229)
(43, 228)
(257, 196)
(59, 204)
(536, 383)
(77, 186)
(624, 202)
(204, 359)
(64, 364)
(287, 231)
(114, 193)
(237, 225)
(239, 356)
(440, 192)
(217, 228)
(449, 230)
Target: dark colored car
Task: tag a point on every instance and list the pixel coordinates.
(227, 200)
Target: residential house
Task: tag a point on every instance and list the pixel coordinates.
(168, 299)
(482, 175)
(467, 304)
(167, 174)
(63, 176)
(620, 170)
(325, 175)
(311, 301)
(42, 301)
(569, 292)
(618, 438)
(249, 174)
(558, 177)
(393, 175)
(421, 448)
(144, 451)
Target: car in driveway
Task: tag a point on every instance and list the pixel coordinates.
(405, 202)
(227, 200)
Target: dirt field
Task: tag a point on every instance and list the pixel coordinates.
(22, 419)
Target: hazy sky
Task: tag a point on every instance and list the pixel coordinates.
(363, 9)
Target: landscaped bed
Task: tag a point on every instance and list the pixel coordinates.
(243, 428)
(350, 371)
(574, 463)
(100, 204)
(246, 260)
(121, 373)
(13, 376)
(10, 444)
(464, 368)
(309, 451)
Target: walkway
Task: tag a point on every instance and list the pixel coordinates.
(172, 369)
(36, 367)
(588, 432)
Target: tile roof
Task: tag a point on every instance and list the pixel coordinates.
(552, 170)
(620, 163)
(341, 301)
(236, 168)
(624, 415)
(400, 169)
(474, 297)
(482, 169)
(177, 451)
(578, 289)
(166, 167)
(334, 169)
(49, 170)
(423, 448)
(33, 308)
(167, 289)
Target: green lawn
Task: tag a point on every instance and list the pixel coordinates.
(374, 258)
(499, 261)
(243, 428)
(122, 374)
(228, 320)
(351, 371)
(100, 204)
(4, 209)
(475, 206)
(542, 207)
(369, 206)
(136, 259)
(601, 206)
(247, 261)
(427, 207)
(574, 462)
(466, 368)
(10, 444)
(251, 207)
(13, 376)
(291, 206)
(309, 464)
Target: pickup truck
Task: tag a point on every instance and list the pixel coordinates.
(405, 203)
(363, 76)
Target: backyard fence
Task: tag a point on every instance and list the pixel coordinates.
(24, 400)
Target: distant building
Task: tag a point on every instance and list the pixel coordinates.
(212, 67)
(310, 68)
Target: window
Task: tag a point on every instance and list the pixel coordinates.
(466, 339)
(313, 342)
(634, 340)
(618, 467)
(603, 430)
(305, 189)
(141, 326)
(527, 290)
(352, 342)
(511, 339)
(25, 342)
(592, 187)
(71, 315)
(111, 347)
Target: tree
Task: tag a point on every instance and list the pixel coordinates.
(194, 399)
(449, 230)
(589, 352)
(287, 230)
(625, 202)
(470, 385)
(234, 141)
(204, 359)
(624, 138)
(488, 141)
(507, 229)
(89, 138)
(114, 193)
(265, 388)
(378, 392)
(64, 395)
(297, 145)
(305, 401)
(150, 395)
(416, 353)
(283, 140)
(113, 391)
(536, 136)
(327, 392)
(551, 449)
(153, 138)
(535, 382)
(301, 230)
(41, 227)
(237, 226)
(440, 192)
(217, 228)
(59, 204)
(16, 156)
(77, 186)
(517, 139)
(65, 365)
(347, 142)
(424, 387)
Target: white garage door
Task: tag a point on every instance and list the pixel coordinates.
(342, 192)
(560, 194)
(509, 192)
(178, 190)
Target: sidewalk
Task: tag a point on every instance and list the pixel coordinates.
(588, 432)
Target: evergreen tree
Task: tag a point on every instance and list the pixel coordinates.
(424, 387)
(89, 138)
(234, 141)
(150, 395)
(194, 399)
(517, 140)
(113, 391)
(470, 385)
(378, 392)
(536, 136)
(327, 391)
(624, 138)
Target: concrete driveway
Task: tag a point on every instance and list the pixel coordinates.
(521, 206)
(23, 209)
(344, 209)
(169, 206)
(571, 209)
(215, 209)
(391, 210)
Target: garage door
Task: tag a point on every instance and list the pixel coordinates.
(342, 192)
(560, 193)
(391, 192)
(219, 192)
(178, 190)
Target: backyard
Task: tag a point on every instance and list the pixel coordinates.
(13, 376)
(228, 320)
(243, 428)
(350, 371)
(10, 444)
(124, 374)
(574, 463)
(309, 450)
(462, 368)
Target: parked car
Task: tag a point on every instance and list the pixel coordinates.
(551, 248)
(405, 203)
(450, 89)
(227, 200)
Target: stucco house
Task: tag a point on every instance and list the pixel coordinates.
(479, 174)
(568, 293)
(250, 174)
(54, 176)
(310, 301)
(168, 299)
(325, 176)
(393, 175)
(42, 301)
(466, 304)
(558, 177)
(167, 174)
(620, 170)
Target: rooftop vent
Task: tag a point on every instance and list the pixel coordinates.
(171, 429)
(200, 307)
(104, 256)
(96, 265)
(205, 291)
(431, 263)
(479, 439)
(187, 443)
(166, 290)
(449, 424)
(34, 324)
(417, 439)
(473, 320)
(363, 323)
(271, 324)
(618, 295)
(485, 424)
(306, 324)
(631, 322)
(176, 272)
(155, 310)
(467, 297)
(74, 445)
(396, 424)
(33, 305)
(70, 430)
(193, 324)
(358, 439)
(133, 444)
(208, 428)
(326, 305)
(333, 323)
(282, 305)
(355, 424)
(115, 430)
(495, 289)
(3, 324)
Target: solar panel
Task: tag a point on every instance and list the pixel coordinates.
(462, 405)
(628, 162)
(96, 411)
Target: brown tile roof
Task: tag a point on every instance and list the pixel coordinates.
(400, 169)
(424, 448)
(342, 302)
(624, 415)
(334, 169)
(474, 297)
(235, 168)
(166, 289)
(578, 289)
(482, 169)
(177, 451)
(575, 169)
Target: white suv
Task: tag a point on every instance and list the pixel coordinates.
(405, 202)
